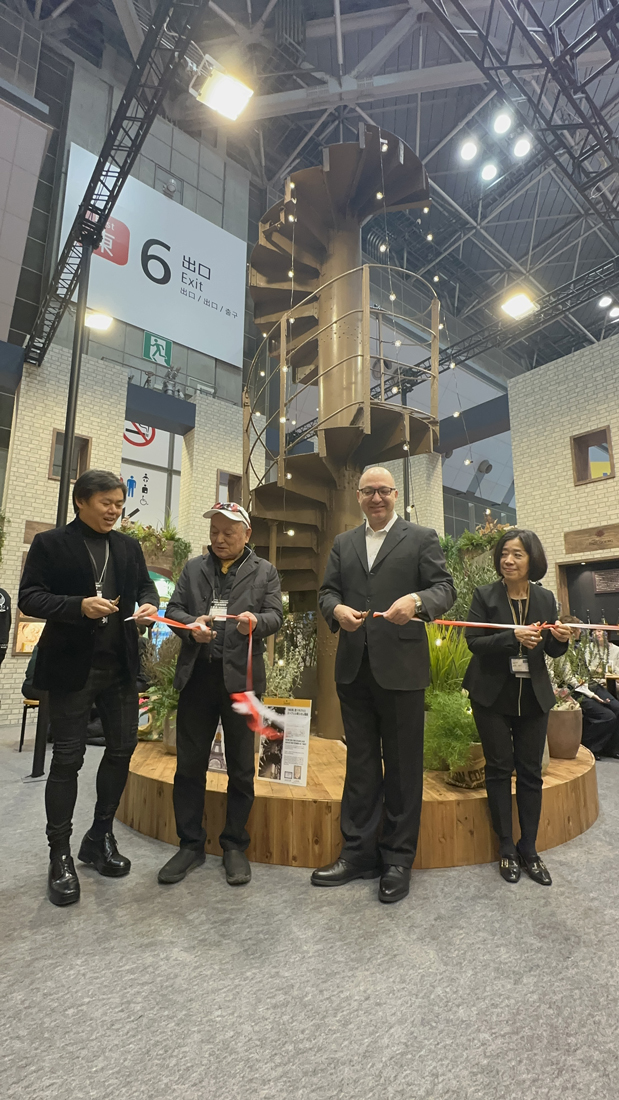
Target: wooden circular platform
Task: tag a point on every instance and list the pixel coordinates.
(300, 826)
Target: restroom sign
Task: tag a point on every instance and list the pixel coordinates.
(157, 349)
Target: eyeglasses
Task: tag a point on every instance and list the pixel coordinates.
(384, 490)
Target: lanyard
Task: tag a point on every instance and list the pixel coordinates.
(522, 618)
(99, 581)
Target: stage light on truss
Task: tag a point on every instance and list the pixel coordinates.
(469, 150)
(522, 147)
(223, 93)
(614, 312)
(489, 171)
(502, 122)
(605, 302)
(98, 321)
(518, 305)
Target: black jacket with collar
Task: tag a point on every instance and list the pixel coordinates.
(489, 672)
(57, 576)
(256, 588)
(409, 560)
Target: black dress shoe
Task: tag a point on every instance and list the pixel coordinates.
(238, 870)
(63, 887)
(394, 883)
(536, 869)
(104, 856)
(509, 868)
(181, 863)
(341, 872)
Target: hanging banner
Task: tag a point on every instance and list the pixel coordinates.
(163, 268)
(283, 758)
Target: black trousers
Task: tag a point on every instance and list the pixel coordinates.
(69, 711)
(600, 721)
(201, 704)
(376, 719)
(511, 742)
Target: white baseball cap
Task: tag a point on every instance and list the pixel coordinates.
(231, 510)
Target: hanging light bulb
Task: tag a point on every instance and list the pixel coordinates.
(392, 297)
(398, 343)
(382, 247)
(290, 274)
(441, 325)
(435, 278)
(456, 414)
(452, 365)
(426, 209)
(384, 146)
(394, 389)
(290, 531)
(467, 461)
(262, 374)
(379, 195)
(288, 477)
(429, 236)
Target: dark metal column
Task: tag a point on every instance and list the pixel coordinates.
(74, 384)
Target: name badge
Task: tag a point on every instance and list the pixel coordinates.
(520, 667)
(219, 610)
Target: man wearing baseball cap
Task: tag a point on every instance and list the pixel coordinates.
(228, 580)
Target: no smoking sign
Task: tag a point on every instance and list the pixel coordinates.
(139, 435)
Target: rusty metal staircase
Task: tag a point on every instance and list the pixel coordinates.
(324, 340)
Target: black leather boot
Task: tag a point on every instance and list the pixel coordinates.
(63, 887)
(104, 856)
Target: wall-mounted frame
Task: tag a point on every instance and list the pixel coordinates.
(592, 456)
(26, 635)
(81, 455)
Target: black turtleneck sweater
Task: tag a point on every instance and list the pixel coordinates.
(109, 650)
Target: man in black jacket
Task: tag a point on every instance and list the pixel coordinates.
(229, 580)
(85, 579)
(382, 668)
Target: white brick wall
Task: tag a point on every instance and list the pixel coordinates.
(29, 494)
(426, 477)
(216, 443)
(548, 405)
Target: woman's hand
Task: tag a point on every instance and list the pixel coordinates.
(528, 636)
(561, 631)
(245, 618)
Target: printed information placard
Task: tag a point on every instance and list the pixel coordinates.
(283, 758)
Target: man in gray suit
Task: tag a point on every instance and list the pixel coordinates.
(228, 580)
(382, 668)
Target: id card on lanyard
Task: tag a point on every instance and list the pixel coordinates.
(519, 666)
(219, 609)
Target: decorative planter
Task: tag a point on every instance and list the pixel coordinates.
(169, 734)
(472, 774)
(564, 733)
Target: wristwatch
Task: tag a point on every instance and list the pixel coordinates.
(418, 603)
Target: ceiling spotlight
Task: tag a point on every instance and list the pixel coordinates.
(435, 279)
(502, 123)
(467, 461)
(392, 297)
(398, 343)
(288, 477)
(522, 147)
(223, 93)
(614, 312)
(426, 209)
(456, 414)
(605, 301)
(468, 150)
(430, 237)
(290, 531)
(489, 171)
(452, 365)
(379, 195)
(99, 321)
(518, 305)
(291, 274)
(383, 146)
(382, 247)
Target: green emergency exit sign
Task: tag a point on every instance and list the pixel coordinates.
(157, 349)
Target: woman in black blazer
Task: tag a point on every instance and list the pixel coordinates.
(511, 694)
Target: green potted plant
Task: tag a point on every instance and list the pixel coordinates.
(451, 738)
(565, 718)
(164, 549)
(160, 669)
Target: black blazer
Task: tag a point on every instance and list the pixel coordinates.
(410, 560)
(489, 673)
(57, 577)
(256, 588)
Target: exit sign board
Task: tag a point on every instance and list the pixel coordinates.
(157, 349)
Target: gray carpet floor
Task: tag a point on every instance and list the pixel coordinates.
(468, 990)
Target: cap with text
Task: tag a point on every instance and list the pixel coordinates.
(231, 510)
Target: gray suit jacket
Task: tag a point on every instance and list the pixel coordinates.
(410, 560)
(256, 588)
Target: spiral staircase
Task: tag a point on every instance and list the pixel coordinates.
(311, 296)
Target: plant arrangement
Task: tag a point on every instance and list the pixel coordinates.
(449, 658)
(295, 650)
(156, 539)
(160, 668)
(467, 569)
(450, 731)
(284, 675)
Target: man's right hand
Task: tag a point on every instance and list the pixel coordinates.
(205, 635)
(348, 618)
(95, 607)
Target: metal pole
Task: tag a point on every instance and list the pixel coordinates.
(74, 384)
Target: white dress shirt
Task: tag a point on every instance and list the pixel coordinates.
(374, 539)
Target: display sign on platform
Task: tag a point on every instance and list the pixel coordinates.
(283, 759)
(163, 268)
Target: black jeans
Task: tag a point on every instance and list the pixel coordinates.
(376, 718)
(511, 742)
(201, 704)
(69, 711)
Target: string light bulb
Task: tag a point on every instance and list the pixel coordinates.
(435, 278)
(426, 209)
(379, 195)
(430, 236)
(288, 477)
(452, 365)
(398, 343)
(467, 461)
(291, 274)
(394, 389)
(384, 146)
(290, 531)
(392, 297)
(382, 247)
(456, 414)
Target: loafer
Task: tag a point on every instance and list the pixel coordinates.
(183, 861)
(104, 856)
(238, 870)
(394, 884)
(536, 869)
(63, 887)
(341, 872)
(509, 867)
